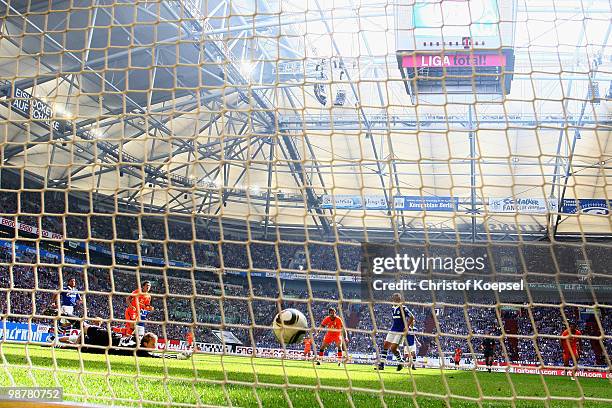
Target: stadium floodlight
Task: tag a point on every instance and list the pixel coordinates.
(62, 112)
(96, 132)
(172, 235)
(246, 68)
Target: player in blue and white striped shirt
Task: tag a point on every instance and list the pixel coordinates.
(403, 320)
(67, 300)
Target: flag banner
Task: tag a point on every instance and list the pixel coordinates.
(226, 337)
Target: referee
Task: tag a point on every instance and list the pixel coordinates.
(488, 348)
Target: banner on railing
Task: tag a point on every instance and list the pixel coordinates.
(522, 205)
(586, 206)
(417, 203)
(342, 202)
(299, 276)
(400, 203)
(26, 250)
(7, 222)
(129, 257)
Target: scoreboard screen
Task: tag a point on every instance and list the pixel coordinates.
(455, 46)
(454, 24)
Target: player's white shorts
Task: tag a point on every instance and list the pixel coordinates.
(411, 343)
(410, 349)
(67, 310)
(394, 337)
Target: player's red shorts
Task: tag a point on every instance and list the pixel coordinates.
(332, 338)
(131, 314)
(307, 349)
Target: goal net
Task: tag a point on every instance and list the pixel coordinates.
(188, 188)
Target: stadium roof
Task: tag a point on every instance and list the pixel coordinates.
(211, 109)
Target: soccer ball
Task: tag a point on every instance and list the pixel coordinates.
(290, 326)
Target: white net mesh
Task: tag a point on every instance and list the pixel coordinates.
(241, 158)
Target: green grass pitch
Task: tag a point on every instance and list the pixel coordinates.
(249, 382)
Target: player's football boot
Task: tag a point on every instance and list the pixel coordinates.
(380, 366)
(400, 366)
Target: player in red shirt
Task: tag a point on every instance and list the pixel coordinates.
(189, 339)
(335, 331)
(570, 343)
(308, 348)
(138, 308)
(457, 357)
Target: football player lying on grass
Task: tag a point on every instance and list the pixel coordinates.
(99, 340)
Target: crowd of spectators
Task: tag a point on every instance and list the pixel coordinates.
(181, 238)
(210, 301)
(157, 236)
(193, 300)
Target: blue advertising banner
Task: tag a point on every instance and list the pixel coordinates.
(23, 332)
(450, 204)
(591, 206)
(130, 257)
(400, 203)
(417, 203)
(24, 249)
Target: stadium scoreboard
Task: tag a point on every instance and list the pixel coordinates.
(455, 47)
